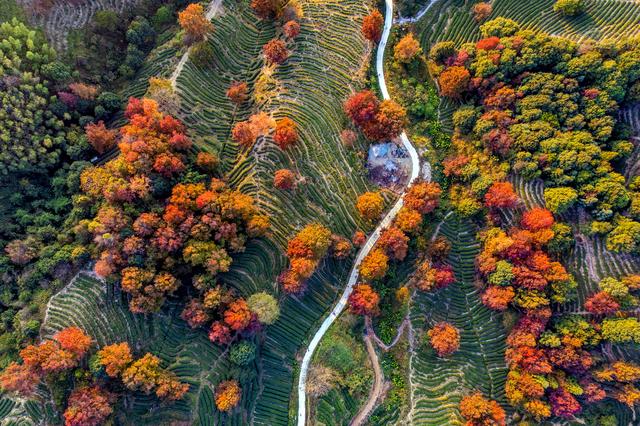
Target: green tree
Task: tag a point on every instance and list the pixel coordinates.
(242, 353)
(559, 200)
(569, 7)
(265, 306)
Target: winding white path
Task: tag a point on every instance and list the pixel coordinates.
(373, 238)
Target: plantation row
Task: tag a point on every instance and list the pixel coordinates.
(438, 384)
(451, 20)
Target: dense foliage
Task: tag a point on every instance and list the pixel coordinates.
(63, 360)
(542, 106)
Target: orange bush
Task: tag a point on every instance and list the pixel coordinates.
(88, 406)
(227, 395)
(500, 195)
(238, 92)
(237, 316)
(74, 340)
(406, 49)
(408, 219)
(275, 51)
(479, 411)
(115, 358)
(374, 265)
(536, 219)
(394, 242)
(194, 22)
(372, 26)
(244, 134)
(286, 134)
(363, 300)
(291, 29)
(370, 205)
(481, 11)
(100, 138)
(454, 81)
(444, 338)
(423, 197)
(284, 179)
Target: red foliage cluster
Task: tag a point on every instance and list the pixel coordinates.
(286, 134)
(266, 9)
(372, 26)
(63, 352)
(88, 406)
(394, 242)
(291, 29)
(100, 138)
(430, 277)
(377, 120)
(227, 395)
(238, 92)
(488, 43)
(601, 303)
(454, 82)
(284, 179)
(363, 300)
(501, 196)
(423, 197)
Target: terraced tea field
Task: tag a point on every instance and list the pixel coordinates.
(438, 384)
(452, 20)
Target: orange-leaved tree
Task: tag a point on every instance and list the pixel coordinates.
(394, 242)
(88, 406)
(285, 134)
(479, 411)
(291, 29)
(370, 205)
(444, 338)
(99, 137)
(304, 252)
(275, 51)
(238, 92)
(407, 49)
(194, 23)
(454, 81)
(227, 395)
(284, 179)
(363, 300)
(423, 197)
(501, 196)
(115, 358)
(374, 265)
(372, 26)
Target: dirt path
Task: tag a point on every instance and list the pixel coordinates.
(378, 388)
